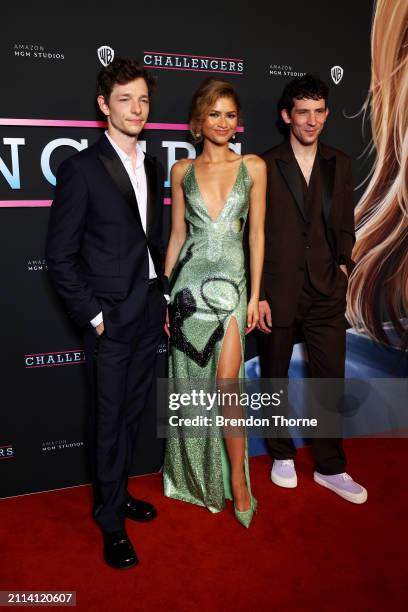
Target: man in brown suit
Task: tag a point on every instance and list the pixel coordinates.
(309, 233)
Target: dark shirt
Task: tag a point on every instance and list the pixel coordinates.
(320, 263)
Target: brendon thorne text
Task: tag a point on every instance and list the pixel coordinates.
(220, 420)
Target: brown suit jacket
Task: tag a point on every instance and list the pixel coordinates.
(287, 223)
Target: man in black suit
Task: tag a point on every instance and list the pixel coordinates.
(105, 256)
(309, 233)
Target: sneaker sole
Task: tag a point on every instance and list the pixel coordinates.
(354, 498)
(286, 483)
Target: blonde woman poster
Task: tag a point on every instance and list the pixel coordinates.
(378, 287)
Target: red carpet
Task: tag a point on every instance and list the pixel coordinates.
(306, 549)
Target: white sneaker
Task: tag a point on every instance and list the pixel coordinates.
(284, 474)
(343, 485)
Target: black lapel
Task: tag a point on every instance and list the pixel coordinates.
(290, 172)
(151, 180)
(327, 173)
(120, 177)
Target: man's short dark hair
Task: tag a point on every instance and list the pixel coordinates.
(307, 86)
(122, 71)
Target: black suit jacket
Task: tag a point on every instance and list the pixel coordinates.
(96, 248)
(287, 223)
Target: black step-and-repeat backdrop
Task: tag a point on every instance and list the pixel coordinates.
(50, 54)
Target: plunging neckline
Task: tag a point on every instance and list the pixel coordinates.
(225, 202)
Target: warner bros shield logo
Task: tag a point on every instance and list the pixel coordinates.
(337, 74)
(106, 55)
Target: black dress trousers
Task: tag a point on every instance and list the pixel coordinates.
(121, 375)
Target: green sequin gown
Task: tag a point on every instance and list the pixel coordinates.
(208, 287)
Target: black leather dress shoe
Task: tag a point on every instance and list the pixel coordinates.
(119, 552)
(139, 510)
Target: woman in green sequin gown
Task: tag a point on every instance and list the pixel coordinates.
(211, 199)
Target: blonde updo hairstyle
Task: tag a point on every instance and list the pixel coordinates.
(206, 95)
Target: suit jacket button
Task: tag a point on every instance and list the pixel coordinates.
(308, 246)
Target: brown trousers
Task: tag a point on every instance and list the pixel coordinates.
(320, 322)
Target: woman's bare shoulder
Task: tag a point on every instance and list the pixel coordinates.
(179, 169)
(255, 164)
